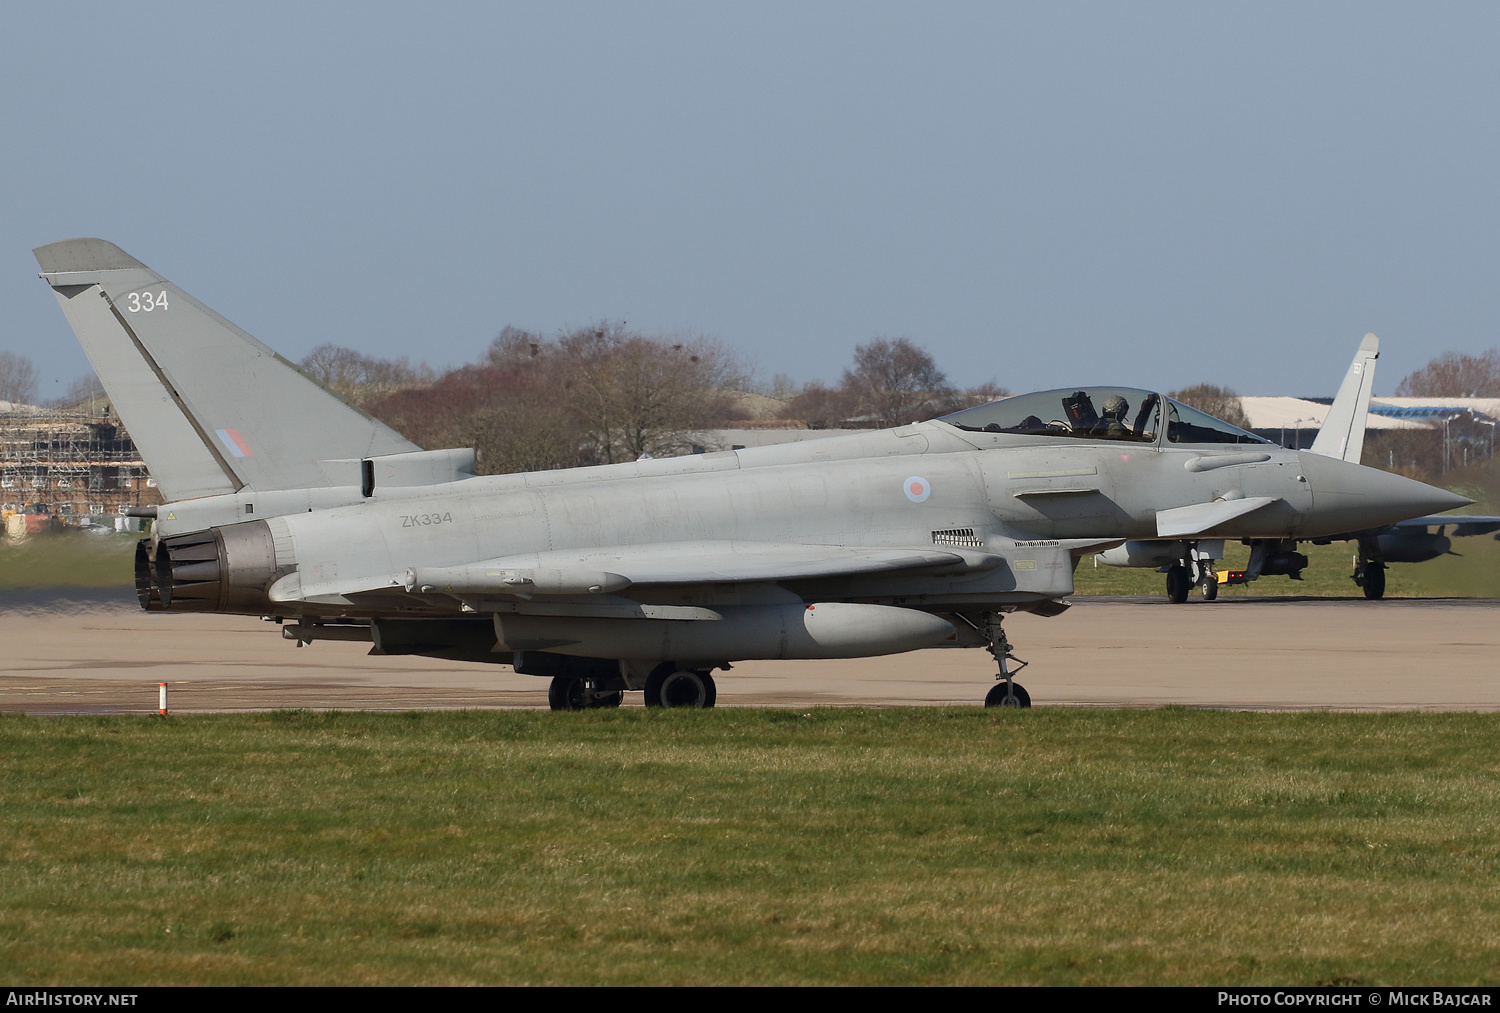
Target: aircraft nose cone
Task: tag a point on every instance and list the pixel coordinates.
(1350, 497)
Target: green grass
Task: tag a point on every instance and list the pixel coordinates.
(1475, 573)
(68, 559)
(830, 846)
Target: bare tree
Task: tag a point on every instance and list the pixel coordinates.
(519, 350)
(896, 382)
(86, 388)
(597, 395)
(1455, 375)
(983, 394)
(822, 407)
(357, 377)
(17, 378)
(334, 366)
(638, 395)
(1220, 402)
(514, 421)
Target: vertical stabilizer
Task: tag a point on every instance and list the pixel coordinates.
(212, 409)
(1343, 432)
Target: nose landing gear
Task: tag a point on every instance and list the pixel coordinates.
(1007, 692)
(1196, 567)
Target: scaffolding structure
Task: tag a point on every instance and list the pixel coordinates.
(69, 467)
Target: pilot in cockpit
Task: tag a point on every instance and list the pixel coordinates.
(1112, 425)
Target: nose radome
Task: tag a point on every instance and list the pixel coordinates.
(1351, 497)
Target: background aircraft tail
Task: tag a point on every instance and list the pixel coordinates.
(1343, 432)
(212, 409)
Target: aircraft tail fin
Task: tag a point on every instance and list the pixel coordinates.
(1343, 434)
(212, 409)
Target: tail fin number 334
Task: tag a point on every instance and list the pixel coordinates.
(145, 302)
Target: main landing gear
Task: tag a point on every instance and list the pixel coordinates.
(1369, 570)
(570, 693)
(668, 685)
(1007, 692)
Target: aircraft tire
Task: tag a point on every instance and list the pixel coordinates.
(1178, 583)
(996, 696)
(566, 693)
(670, 686)
(1374, 582)
(1209, 585)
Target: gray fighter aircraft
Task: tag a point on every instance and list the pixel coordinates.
(284, 502)
(1189, 562)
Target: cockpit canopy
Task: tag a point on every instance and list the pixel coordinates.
(1098, 413)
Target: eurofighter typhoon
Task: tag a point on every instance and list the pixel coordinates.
(1342, 435)
(284, 502)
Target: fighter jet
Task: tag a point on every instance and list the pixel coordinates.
(1190, 562)
(284, 502)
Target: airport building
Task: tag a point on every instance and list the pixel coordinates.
(68, 467)
(1430, 434)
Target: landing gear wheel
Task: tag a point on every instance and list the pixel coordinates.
(680, 687)
(1209, 585)
(1178, 583)
(566, 693)
(997, 697)
(1374, 582)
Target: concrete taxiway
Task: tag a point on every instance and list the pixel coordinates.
(78, 653)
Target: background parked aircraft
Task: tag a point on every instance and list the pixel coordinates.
(1188, 564)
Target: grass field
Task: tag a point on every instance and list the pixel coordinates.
(1475, 573)
(948, 846)
(68, 559)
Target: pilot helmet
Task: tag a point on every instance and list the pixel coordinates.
(1116, 405)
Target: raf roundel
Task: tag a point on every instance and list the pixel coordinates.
(917, 489)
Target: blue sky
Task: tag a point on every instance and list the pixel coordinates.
(1040, 194)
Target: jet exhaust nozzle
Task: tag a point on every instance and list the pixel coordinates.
(224, 569)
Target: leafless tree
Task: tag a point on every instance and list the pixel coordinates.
(359, 378)
(17, 378)
(86, 388)
(600, 394)
(519, 350)
(638, 395)
(515, 421)
(895, 381)
(1455, 375)
(1220, 402)
(892, 382)
(982, 394)
(822, 407)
